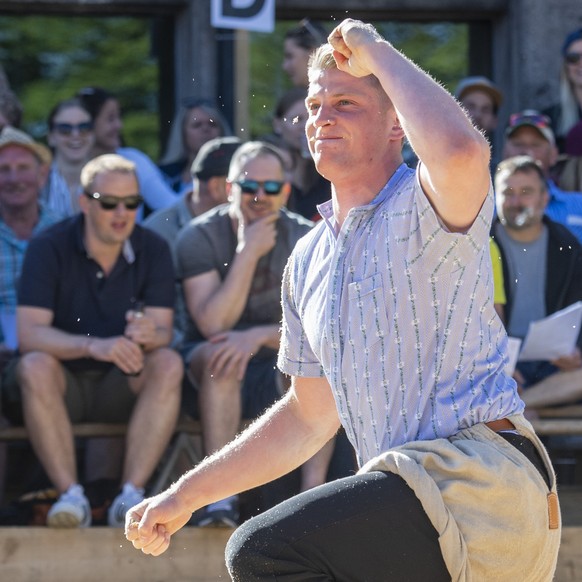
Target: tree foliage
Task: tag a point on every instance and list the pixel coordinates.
(48, 58)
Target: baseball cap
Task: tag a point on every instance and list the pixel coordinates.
(213, 158)
(572, 37)
(13, 136)
(531, 118)
(479, 84)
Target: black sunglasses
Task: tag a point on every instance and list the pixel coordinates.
(110, 202)
(573, 58)
(68, 128)
(270, 187)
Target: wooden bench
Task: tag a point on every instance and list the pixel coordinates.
(186, 441)
(559, 420)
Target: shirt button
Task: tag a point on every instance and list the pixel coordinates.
(99, 274)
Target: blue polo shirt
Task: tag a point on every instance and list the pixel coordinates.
(58, 274)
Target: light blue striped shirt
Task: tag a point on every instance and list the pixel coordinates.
(397, 313)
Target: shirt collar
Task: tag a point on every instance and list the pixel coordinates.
(130, 245)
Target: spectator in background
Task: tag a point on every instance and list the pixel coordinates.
(567, 112)
(23, 169)
(71, 138)
(542, 268)
(89, 352)
(10, 109)
(482, 100)
(298, 45)
(308, 187)
(529, 132)
(231, 262)
(107, 125)
(24, 166)
(196, 122)
(207, 188)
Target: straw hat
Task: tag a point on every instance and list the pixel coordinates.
(13, 136)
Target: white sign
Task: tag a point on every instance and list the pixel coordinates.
(256, 15)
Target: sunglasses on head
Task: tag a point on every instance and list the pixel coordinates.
(269, 187)
(573, 58)
(536, 119)
(68, 128)
(110, 202)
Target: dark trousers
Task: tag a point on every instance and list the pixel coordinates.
(364, 528)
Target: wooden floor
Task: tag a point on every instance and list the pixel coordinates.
(101, 554)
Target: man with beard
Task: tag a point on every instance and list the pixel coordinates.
(542, 267)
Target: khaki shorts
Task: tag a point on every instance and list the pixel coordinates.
(91, 395)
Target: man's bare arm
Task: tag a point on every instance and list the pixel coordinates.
(288, 434)
(454, 155)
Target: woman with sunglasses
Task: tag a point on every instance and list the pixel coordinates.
(568, 111)
(196, 122)
(71, 138)
(105, 111)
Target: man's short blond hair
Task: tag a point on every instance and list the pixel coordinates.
(105, 164)
(322, 60)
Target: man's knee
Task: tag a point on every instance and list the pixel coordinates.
(249, 553)
(167, 362)
(38, 370)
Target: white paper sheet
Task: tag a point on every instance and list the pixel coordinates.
(554, 336)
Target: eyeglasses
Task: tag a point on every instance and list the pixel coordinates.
(269, 187)
(535, 119)
(110, 202)
(573, 58)
(68, 128)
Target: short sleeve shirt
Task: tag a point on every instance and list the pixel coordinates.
(397, 313)
(209, 243)
(58, 274)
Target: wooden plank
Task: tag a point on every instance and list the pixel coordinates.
(554, 426)
(102, 553)
(571, 411)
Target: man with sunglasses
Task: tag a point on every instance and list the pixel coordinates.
(95, 311)
(529, 132)
(389, 330)
(230, 261)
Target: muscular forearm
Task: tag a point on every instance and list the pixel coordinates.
(224, 307)
(279, 436)
(434, 124)
(61, 345)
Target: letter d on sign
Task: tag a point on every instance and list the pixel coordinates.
(256, 15)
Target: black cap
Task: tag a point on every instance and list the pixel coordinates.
(213, 158)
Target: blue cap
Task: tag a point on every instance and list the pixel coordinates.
(572, 37)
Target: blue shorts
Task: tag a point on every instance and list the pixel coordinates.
(534, 372)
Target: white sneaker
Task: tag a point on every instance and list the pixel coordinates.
(128, 497)
(72, 509)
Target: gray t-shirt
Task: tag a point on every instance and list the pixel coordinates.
(526, 265)
(209, 243)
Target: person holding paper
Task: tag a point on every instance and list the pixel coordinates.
(542, 268)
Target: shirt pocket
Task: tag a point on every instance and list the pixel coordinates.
(368, 319)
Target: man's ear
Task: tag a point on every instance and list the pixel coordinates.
(397, 131)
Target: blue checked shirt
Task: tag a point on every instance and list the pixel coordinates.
(397, 313)
(12, 251)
